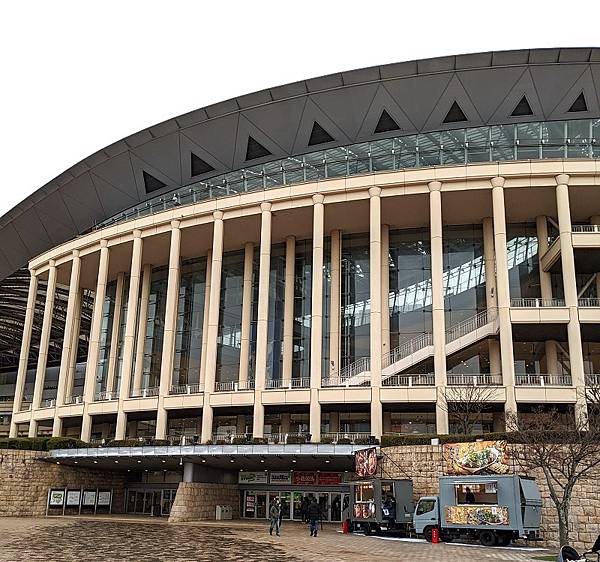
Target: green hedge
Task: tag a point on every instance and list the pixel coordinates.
(399, 440)
(41, 443)
(296, 439)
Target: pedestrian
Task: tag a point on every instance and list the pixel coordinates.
(274, 515)
(314, 515)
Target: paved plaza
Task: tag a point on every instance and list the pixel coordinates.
(107, 539)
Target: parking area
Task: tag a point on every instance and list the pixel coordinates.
(127, 538)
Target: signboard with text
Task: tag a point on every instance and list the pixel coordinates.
(56, 498)
(104, 498)
(246, 477)
(304, 478)
(89, 498)
(280, 478)
(73, 498)
(330, 478)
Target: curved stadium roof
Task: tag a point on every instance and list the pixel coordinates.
(369, 104)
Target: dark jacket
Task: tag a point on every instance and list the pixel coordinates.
(314, 511)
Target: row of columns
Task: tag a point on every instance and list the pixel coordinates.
(497, 296)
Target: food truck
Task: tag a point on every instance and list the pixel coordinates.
(494, 509)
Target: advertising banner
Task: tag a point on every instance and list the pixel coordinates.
(56, 498)
(280, 478)
(73, 497)
(250, 503)
(89, 498)
(365, 462)
(330, 478)
(476, 515)
(480, 457)
(252, 477)
(104, 498)
(304, 478)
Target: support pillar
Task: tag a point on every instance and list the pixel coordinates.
(246, 314)
(595, 220)
(25, 347)
(376, 322)
(571, 298)
(506, 342)
(335, 303)
(65, 359)
(89, 387)
(188, 471)
(316, 332)
(40, 373)
(140, 346)
(130, 333)
(491, 299)
(262, 324)
(288, 309)
(74, 345)
(213, 324)
(437, 297)
(168, 348)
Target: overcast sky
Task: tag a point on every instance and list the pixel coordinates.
(79, 75)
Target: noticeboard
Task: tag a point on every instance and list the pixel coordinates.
(104, 498)
(73, 498)
(89, 498)
(56, 498)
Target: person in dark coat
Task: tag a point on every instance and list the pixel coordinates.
(314, 516)
(469, 496)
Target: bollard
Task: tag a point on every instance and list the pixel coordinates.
(346, 526)
(435, 535)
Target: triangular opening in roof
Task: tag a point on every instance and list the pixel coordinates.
(522, 108)
(255, 150)
(319, 135)
(455, 114)
(386, 123)
(579, 104)
(151, 183)
(199, 166)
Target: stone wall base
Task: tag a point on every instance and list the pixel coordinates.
(197, 501)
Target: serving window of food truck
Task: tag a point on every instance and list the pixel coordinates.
(482, 493)
(364, 500)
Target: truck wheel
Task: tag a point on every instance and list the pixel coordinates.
(503, 539)
(487, 538)
(428, 533)
(367, 529)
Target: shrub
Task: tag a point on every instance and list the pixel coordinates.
(425, 439)
(260, 441)
(240, 441)
(125, 443)
(64, 443)
(344, 441)
(362, 441)
(327, 439)
(24, 443)
(296, 439)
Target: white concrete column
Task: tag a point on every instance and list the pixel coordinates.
(595, 220)
(205, 317)
(188, 471)
(385, 289)
(168, 348)
(25, 347)
(91, 367)
(69, 387)
(213, 325)
(437, 303)
(570, 288)
(65, 359)
(142, 326)
(495, 356)
(490, 265)
(316, 331)
(335, 302)
(40, 373)
(135, 274)
(113, 354)
(262, 325)
(375, 317)
(506, 342)
(246, 313)
(288, 309)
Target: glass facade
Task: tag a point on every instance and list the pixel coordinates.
(302, 309)
(276, 308)
(523, 261)
(472, 360)
(530, 358)
(106, 325)
(409, 301)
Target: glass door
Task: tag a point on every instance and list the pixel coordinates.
(261, 505)
(297, 506)
(286, 498)
(323, 499)
(336, 507)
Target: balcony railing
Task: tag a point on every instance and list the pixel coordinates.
(470, 325)
(49, 403)
(536, 303)
(145, 392)
(407, 348)
(74, 400)
(589, 302)
(482, 379)
(357, 380)
(345, 437)
(196, 388)
(234, 386)
(359, 366)
(585, 228)
(543, 380)
(107, 395)
(410, 380)
(289, 384)
(592, 380)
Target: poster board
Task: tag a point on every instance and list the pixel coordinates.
(479, 457)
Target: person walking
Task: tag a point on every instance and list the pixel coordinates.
(314, 516)
(275, 516)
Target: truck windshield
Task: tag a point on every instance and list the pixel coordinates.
(425, 506)
(485, 493)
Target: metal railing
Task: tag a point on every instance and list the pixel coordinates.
(410, 380)
(585, 228)
(480, 379)
(589, 302)
(106, 395)
(407, 348)
(359, 366)
(289, 384)
(49, 403)
(470, 325)
(352, 437)
(536, 303)
(195, 388)
(234, 386)
(543, 380)
(145, 392)
(356, 380)
(229, 438)
(74, 400)
(592, 379)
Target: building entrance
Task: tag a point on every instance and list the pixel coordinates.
(150, 502)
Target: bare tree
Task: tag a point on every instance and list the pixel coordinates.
(563, 446)
(465, 403)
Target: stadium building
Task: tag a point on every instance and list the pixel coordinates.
(329, 262)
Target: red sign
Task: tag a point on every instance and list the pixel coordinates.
(365, 462)
(304, 478)
(330, 478)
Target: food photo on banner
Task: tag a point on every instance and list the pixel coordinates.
(480, 457)
(365, 462)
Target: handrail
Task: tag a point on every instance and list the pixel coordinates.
(107, 395)
(536, 379)
(592, 379)
(585, 228)
(145, 392)
(535, 302)
(410, 380)
(470, 325)
(74, 400)
(289, 384)
(589, 302)
(356, 380)
(479, 379)
(234, 386)
(195, 388)
(407, 348)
